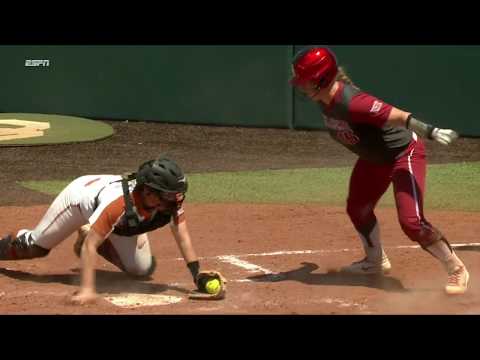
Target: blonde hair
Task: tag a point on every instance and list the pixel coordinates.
(343, 77)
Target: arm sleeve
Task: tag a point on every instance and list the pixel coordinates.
(367, 109)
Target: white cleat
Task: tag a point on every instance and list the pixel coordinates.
(457, 281)
(367, 267)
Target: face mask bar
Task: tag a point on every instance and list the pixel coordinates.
(171, 197)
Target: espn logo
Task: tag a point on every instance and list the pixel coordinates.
(30, 62)
(377, 105)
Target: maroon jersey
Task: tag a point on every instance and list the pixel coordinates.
(357, 120)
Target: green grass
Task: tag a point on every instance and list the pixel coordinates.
(450, 186)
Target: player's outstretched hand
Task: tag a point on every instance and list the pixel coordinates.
(444, 136)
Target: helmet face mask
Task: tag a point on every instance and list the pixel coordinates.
(171, 196)
(155, 199)
(316, 65)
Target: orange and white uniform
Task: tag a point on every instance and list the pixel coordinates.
(98, 200)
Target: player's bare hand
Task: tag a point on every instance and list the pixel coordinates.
(84, 297)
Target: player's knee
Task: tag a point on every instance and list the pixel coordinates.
(359, 216)
(410, 227)
(143, 270)
(352, 211)
(423, 234)
(152, 267)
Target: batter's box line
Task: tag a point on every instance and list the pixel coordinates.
(321, 251)
(236, 260)
(274, 253)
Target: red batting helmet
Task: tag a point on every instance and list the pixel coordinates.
(316, 64)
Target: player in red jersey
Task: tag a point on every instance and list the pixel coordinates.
(389, 151)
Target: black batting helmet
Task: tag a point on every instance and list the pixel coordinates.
(162, 174)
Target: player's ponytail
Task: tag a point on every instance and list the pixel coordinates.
(343, 77)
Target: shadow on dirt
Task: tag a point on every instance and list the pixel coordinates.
(304, 275)
(112, 282)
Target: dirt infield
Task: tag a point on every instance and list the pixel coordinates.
(279, 259)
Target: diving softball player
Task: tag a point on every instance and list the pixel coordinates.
(389, 151)
(112, 215)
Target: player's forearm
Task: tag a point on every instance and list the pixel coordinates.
(182, 238)
(400, 118)
(184, 242)
(89, 254)
(443, 136)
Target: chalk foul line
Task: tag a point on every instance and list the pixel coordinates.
(225, 258)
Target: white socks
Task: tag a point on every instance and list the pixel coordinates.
(373, 249)
(439, 249)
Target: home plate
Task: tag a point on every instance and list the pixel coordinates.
(138, 300)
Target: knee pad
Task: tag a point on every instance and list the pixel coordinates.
(153, 266)
(144, 273)
(108, 252)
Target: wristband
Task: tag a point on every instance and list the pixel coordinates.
(421, 128)
(194, 268)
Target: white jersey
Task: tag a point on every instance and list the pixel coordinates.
(94, 193)
(102, 202)
(98, 200)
